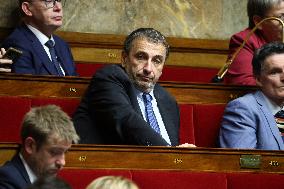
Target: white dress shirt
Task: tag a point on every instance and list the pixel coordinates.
(31, 174)
(157, 113)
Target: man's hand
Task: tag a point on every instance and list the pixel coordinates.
(186, 145)
(5, 64)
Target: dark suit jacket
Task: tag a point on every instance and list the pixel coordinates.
(34, 59)
(13, 175)
(110, 114)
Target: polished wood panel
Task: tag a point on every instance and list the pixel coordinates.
(163, 158)
(74, 87)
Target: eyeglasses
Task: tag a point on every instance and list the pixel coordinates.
(51, 3)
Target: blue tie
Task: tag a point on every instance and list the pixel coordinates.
(50, 44)
(147, 98)
(279, 118)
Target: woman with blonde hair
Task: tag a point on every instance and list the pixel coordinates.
(112, 182)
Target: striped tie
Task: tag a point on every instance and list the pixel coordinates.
(151, 118)
(279, 118)
(50, 44)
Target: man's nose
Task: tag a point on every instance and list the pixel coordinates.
(148, 67)
(60, 161)
(57, 5)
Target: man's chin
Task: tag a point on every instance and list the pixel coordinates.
(145, 86)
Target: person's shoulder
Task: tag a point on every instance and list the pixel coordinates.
(112, 69)
(16, 36)
(244, 101)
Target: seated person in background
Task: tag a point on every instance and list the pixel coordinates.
(240, 71)
(5, 64)
(43, 52)
(49, 183)
(112, 182)
(47, 133)
(123, 103)
(249, 121)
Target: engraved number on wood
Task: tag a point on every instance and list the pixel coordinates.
(82, 158)
(71, 89)
(178, 161)
(274, 163)
(112, 55)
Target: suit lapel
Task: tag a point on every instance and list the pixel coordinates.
(61, 58)
(20, 166)
(39, 51)
(270, 118)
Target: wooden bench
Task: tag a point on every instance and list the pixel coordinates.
(201, 105)
(173, 167)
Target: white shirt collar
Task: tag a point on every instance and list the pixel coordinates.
(41, 37)
(31, 174)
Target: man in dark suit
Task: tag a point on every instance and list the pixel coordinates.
(47, 133)
(43, 52)
(113, 110)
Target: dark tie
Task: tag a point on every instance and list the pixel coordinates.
(50, 44)
(279, 118)
(151, 118)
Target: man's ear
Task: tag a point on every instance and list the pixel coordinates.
(258, 82)
(123, 58)
(256, 20)
(26, 8)
(29, 145)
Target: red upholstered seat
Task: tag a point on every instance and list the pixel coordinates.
(68, 105)
(179, 180)
(80, 178)
(170, 73)
(207, 120)
(186, 133)
(13, 110)
(255, 181)
(188, 74)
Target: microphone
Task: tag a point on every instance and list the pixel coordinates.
(222, 72)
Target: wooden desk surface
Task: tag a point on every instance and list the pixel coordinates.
(165, 158)
(74, 87)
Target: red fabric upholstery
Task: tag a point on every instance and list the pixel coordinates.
(188, 74)
(80, 178)
(255, 181)
(68, 105)
(186, 133)
(179, 180)
(170, 73)
(12, 112)
(207, 119)
(87, 70)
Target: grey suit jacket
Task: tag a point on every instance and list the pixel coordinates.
(110, 114)
(249, 123)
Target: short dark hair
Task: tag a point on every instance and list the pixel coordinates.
(150, 34)
(50, 182)
(260, 8)
(264, 52)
